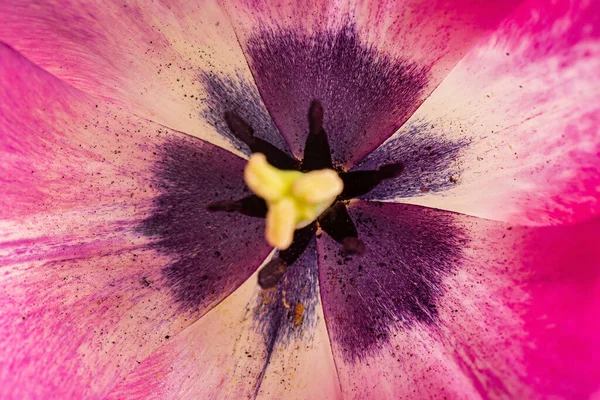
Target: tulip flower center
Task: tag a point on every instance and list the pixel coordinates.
(295, 197)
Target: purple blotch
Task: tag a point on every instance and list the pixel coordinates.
(274, 314)
(366, 93)
(273, 318)
(235, 94)
(205, 246)
(397, 281)
(431, 163)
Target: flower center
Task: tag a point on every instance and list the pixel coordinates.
(294, 199)
(295, 196)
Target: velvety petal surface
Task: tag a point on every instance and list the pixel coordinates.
(177, 63)
(513, 132)
(370, 63)
(269, 344)
(105, 246)
(448, 305)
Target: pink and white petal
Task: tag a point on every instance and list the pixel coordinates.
(106, 247)
(370, 63)
(175, 63)
(513, 132)
(448, 305)
(256, 343)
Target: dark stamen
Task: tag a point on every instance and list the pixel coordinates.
(272, 273)
(252, 206)
(358, 183)
(240, 128)
(315, 117)
(245, 133)
(317, 154)
(336, 222)
(390, 171)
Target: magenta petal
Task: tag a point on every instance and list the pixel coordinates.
(159, 59)
(105, 246)
(255, 343)
(370, 63)
(512, 133)
(443, 304)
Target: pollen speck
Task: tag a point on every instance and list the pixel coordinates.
(298, 314)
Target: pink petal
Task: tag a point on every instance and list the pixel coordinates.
(105, 246)
(370, 63)
(252, 344)
(176, 63)
(513, 132)
(446, 305)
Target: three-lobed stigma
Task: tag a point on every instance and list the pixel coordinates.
(294, 199)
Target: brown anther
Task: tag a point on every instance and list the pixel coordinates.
(354, 245)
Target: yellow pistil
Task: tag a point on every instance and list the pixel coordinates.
(294, 199)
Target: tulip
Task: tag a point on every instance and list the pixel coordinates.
(427, 171)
